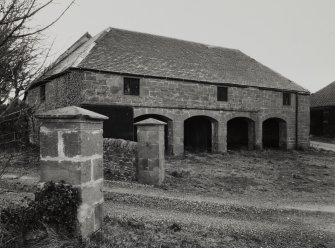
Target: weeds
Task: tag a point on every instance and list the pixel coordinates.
(54, 210)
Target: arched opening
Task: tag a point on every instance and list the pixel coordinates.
(199, 132)
(240, 133)
(274, 133)
(167, 129)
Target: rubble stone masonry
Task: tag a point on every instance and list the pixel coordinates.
(177, 100)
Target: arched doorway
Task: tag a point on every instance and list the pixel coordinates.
(274, 133)
(199, 132)
(167, 129)
(240, 133)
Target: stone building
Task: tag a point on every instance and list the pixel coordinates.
(211, 98)
(323, 112)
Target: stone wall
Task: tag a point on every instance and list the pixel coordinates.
(107, 88)
(179, 100)
(303, 121)
(120, 159)
(59, 92)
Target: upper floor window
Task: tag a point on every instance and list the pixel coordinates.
(42, 93)
(286, 98)
(222, 94)
(131, 86)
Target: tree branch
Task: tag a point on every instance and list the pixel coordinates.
(7, 12)
(46, 27)
(18, 26)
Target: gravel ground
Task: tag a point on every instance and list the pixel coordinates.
(208, 231)
(322, 220)
(115, 189)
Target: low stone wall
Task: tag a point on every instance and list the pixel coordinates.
(120, 159)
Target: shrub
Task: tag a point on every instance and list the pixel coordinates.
(55, 205)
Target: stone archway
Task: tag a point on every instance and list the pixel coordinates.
(200, 134)
(240, 133)
(274, 133)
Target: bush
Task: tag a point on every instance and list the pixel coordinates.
(55, 205)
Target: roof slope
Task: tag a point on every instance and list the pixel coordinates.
(137, 53)
(72, 56)
(324, 97)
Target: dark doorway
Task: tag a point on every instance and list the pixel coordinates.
(240, 133)
(274, 133)
(317, 122)
(198, 134)
(120, 122)
(167, 129)
(328, 125)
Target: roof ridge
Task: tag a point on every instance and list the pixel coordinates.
(78, 43)
(173, 38)
(93, 41)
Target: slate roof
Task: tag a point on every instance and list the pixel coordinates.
(324, 97)
(142, 54)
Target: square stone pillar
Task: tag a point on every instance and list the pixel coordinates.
(222, 130)
(251, 135)
(259, 134)
(71, 147)
(150, 153)
(178, 137)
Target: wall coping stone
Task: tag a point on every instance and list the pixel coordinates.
(149, 122)
(71, 112)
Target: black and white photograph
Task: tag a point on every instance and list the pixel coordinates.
(180, 123)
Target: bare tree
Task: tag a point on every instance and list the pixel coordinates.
(22, 59)
(18, 64)
(21, 54)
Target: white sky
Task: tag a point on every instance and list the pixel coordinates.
(294, 37)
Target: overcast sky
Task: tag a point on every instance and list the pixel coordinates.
(294, 37)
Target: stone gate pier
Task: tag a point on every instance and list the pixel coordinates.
(150, 151)
(71, 147)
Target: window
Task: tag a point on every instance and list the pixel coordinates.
(223, 94)
(42, 93)
(286, 98)
(131, 86)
